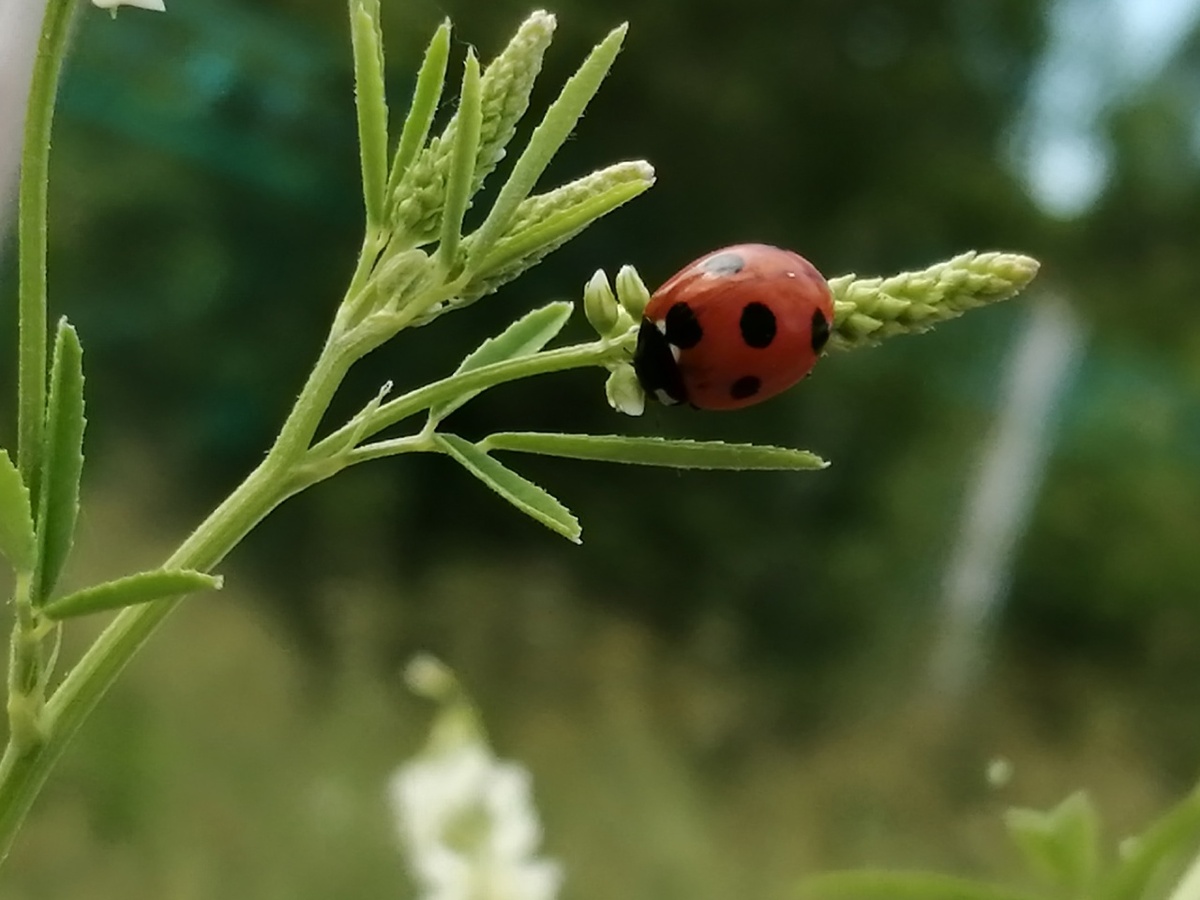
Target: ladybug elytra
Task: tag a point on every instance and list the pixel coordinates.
(734, 328)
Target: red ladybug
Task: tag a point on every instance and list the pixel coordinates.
(733, 328)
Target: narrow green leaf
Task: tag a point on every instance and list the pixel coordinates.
(17, 542)
(562, 224)
(654, 451)
(1062, 845)
(524, 337)
(462, 163)
(884, 885)
(58, 505)
(525, 248)
(144, 587)
(372, 106)
(547, 138)
(520, 492)
(426, 95)
(1169, 838)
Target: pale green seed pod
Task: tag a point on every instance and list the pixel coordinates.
(867, 310)
(624, 391)
(632, 292)
(600, 304)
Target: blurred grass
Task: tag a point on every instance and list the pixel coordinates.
(226, 765)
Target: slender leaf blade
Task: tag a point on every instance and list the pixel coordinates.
(547, 138)
(428, 91)
(132, 590)
(58, 506)
(1062, 844)
(560, 225)
(885, 885)
(655, 451)
(17, 541)
(524, 337)
(523, 249)
(522, 493)
(1171, 837)
(460, 180)
(371, 103)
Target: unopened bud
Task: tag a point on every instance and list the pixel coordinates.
(600, 305)
(631, 291)
(624, 391)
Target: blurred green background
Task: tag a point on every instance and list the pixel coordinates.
(729, 684)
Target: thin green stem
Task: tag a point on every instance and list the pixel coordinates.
(26, 695)
(416, 443)
(314, 399)
(374, 242)
(24, 768)
(578, 356)
(31, 231)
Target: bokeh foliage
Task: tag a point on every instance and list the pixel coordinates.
(204, 220)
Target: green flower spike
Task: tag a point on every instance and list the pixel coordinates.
(868, 310)
(504, 96)
(544, 222)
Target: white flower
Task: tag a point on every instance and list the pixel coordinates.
(469, 827)
(624, 391)
(156, 5)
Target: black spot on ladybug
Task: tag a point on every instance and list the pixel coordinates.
(724, 264)
(655, 365)
(683, 328)
(820, 331)
(757, 325)
(745, 387)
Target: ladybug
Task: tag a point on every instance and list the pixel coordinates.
(734, 328)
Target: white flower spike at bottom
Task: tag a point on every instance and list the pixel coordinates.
(466, 819)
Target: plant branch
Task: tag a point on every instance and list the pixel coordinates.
(25, 765)
(577, 356)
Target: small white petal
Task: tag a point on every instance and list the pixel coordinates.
(155, 5)
(516, 832)
(534, 880)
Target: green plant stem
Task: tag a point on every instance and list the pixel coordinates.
(577, 356)
(374, 242)
(25, 766)
(31, 232)
(25, 668)
(23, 770)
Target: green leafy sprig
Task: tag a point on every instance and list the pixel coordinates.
(425, 253)
(1063, 852)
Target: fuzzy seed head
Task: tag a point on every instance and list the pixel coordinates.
(867, 310)
(504, 97)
